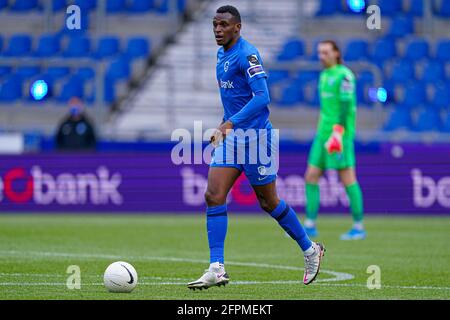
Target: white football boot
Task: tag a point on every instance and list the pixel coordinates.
(312, 263)
(214, 276)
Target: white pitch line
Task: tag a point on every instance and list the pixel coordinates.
(234, 283)
(338, 276)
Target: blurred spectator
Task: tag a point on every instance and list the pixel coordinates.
(76, 131)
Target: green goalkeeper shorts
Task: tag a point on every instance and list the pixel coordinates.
(320, 158)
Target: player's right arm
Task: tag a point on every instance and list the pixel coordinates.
(346, 92)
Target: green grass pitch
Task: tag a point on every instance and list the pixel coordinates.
(263, 263)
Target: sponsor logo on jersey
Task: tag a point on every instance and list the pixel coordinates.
(255, 70)
(326, 95)
(347, 84)
(226, 84)
(253, 60)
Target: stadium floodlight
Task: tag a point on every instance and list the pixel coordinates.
(356, 5)
(378, 95)
(382, 95)
(39, 90)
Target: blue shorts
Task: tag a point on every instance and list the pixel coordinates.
(259, 161)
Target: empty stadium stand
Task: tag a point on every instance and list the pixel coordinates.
(402, 70)
(97, 63)
(155, 72)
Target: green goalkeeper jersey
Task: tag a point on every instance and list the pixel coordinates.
(337, 101)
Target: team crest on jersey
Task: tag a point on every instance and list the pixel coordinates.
(226, 66)
(262, 170)
(253, 60)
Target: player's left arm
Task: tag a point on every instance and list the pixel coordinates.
(260, 100)
(346, 92)
(251, 64)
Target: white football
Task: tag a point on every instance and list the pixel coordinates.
(120, 277)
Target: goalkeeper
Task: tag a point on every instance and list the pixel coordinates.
(333, 147)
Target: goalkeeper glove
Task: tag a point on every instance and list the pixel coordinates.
(334, 143)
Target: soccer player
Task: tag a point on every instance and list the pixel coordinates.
(333, 146)
(245, 98)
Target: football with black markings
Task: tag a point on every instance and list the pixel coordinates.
(120, 277)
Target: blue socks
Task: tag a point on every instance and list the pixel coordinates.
(216, 224)
(288, 220)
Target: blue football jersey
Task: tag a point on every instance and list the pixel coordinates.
(236, 69)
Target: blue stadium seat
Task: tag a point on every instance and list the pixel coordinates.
(58, 5)
(414, 95)
(446, 124)
(401, 26)
(138, 47)
(78, 47)
(1, 43)
(3, 4)
(107, 47)
(417, 8)
(444, 9)
(402, 72)
(329, 7)
(110, 92)
(356, 50)
(390, 7)
(291, 95)
(443, 50)
(383, 50)
(292, 49)
(400, 118)
(56, 73)
(389, 85)
(5, 70)
(416, 50)
(366, 77)
(441, 97)
(73, 87)
(119, 69)
(182, 4)
(19, 46)
(433, 72)
(26, 72)
(304, 77)
(85, 73)
(86, 4)
(114, 6)
(11, 88)
(276, 76)
(140, 5)
(162, 6)
(428, 120)
(365, 80)
(24, 5)
(49, 45)
(311, 97)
